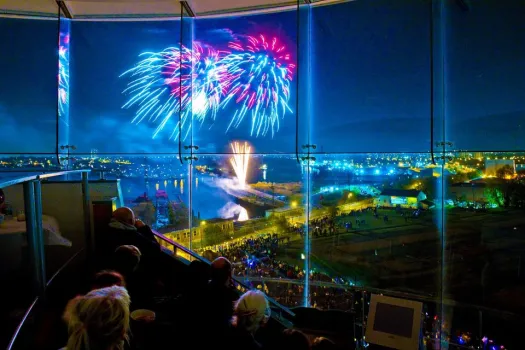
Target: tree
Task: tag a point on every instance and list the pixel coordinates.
(517, 194)
(494, 196)
(333, 211)
(171, 214)
(505, 172)
(178, 215)
(149, 214)
(212, 235)
(280, 222)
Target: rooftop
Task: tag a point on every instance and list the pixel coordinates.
(400, 193)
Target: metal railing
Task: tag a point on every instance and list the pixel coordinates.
(178, 247)
(32, 187)
(32, 190)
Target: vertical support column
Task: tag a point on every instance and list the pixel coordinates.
(90, 244)
(35, 243)
(62, 126)
(303, 117)
(438, 114)
(186, 40)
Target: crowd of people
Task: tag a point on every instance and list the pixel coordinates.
(110, 314)
(255, 261)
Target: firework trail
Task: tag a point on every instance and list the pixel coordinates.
(240, 161)
(259, 73)
(175, 81)
(63, 74)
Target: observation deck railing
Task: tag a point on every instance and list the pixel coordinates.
(32, 190)
(180, 250)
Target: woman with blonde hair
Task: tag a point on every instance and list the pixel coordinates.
(98, 320)
(251, 312)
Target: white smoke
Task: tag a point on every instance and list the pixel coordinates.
(231, 210)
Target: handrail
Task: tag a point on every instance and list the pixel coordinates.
(393, 293)
(16, 181)
(63, 267)
(32, 306)
(450, 302)
(198, 257)
(61, 173)
(21, 324)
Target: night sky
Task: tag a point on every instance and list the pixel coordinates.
(369, 80)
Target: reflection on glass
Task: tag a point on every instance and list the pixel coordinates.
(28, 88)
(485, 51)
(252, 225)
(112, 109)
(484, 201)
(329, 231)
(371, 76)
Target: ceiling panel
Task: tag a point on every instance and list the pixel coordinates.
(212, 7)
(123, 8)
(145, 8)
(29, 7)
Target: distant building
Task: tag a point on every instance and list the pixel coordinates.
(402, 198)
(520, 167)
(493, 165)
(284, 211)
(478, 155)
(468, 191)
(221, 225)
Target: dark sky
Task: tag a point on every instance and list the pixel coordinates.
(368, 80)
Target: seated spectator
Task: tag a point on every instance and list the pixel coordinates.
(322, 343)
(251, 312)
(125, 229)
(108, 278)
(221, 294)
(126, 260)
(99, 320)
(294, 339)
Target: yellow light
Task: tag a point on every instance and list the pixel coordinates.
(350, 195)
(294, 204)
(203, 222)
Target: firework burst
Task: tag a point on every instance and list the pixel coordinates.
(63, 74)
(173, 81)
(259, 73)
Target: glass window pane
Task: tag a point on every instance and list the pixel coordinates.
(121, 89)
(375, 228)
(154, 186)
(484, 246)
(250, 208)
(484, 67)
(371, 76)
(245, 85)
(28, 88)
(484, 60)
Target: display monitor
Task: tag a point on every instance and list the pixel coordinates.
(394, 323)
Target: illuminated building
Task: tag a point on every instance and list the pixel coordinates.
(493, 165)
(400, 198)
